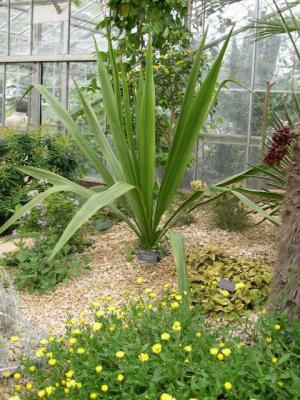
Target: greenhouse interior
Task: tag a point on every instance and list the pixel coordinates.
(150, 199)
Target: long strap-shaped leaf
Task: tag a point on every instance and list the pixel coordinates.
(182, 147)
(146, 135)
(97, 130)
(90, 207)
(65, 118)
(55, 179)
(112, 112)
(31, 204)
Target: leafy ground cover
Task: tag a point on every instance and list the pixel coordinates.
(149, 349)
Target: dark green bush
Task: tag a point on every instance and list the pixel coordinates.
(39, 148)
(230, 214)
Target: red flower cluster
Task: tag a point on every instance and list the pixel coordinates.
(281, 139)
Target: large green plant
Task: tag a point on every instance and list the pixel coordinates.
(129, 168)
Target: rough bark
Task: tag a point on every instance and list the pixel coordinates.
(285, 288)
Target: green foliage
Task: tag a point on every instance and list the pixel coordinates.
(122, 355)
(52, 215)
(207, 267)
(31, 268)
(136, 18)
(129, 170)
(35, 147)
(230, 214)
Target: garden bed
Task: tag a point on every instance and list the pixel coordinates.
(110, 273)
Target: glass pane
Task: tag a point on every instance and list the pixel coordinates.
(1, 93)
(240, 13)
(84, 74)
(20, 27)
(231, 114)
(54, 77)
(3, 27)
(279, 102)
(50, 27)
(18, 79)
(85, 15)
(219, 160)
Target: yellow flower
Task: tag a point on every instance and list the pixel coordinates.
(166, 396)
(214, 351)
(269, 339)
(93, 395)
(14, 398)
(6, 374)
(277, 327)
(80, 350)
(96, 304)
(178, 297)
(139, 281)
(280, 384)
(221, 344)
(156, 348)
(51, 339)
(198, 334)
(97, 326)
(220, 356)
(120, 378)
(274, 360)
(40, 352)
(188, 348)
(228, 385)
(150, 306)
(17, 376)
(79, 385)
(100, 313)
(32, 368)
(99, 369)
(41, 393)
(52, 361)
(49, 390)
(14, 339)
(18, 388)
(143, 357)
(176, 326)
(66, 390)
(104, 388)
(152, 295)
(70, 374)
(72, 340)
(148, 290)
(120, 354)
(226, 352)
(44, 342)
(175, 305)
(28, 386)
(165, 336)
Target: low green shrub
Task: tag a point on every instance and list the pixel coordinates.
(145, 349)
(52, 215)
(230, 214)
(33, 272)
(207, 267)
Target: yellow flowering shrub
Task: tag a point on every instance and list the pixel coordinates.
(161, 353)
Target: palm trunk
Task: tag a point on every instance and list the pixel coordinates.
(285, 289)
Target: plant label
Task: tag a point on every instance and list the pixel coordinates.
(148, 257)
(226, 284)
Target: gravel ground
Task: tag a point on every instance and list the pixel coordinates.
(110, 273)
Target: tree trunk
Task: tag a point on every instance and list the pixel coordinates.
(285, 288)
